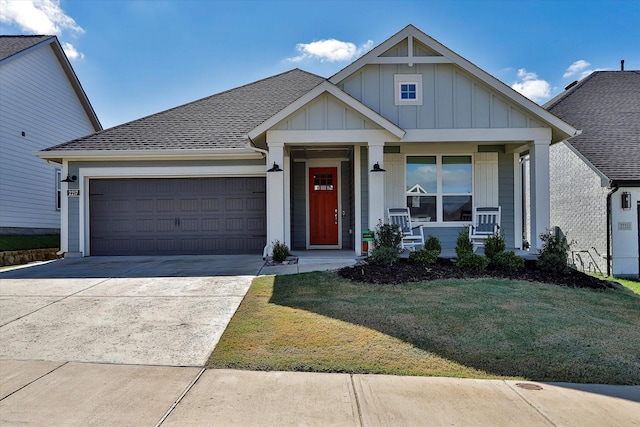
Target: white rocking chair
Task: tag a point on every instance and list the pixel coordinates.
(412, 237)
(486, 222)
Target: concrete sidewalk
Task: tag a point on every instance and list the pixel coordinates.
(49, 393)
(138, 388)
(312, 260)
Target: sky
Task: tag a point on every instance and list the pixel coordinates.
(139, 57)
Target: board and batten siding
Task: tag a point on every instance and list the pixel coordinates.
(326, 113)
(298, 206)
(452, 99)
(36, 98)
(506, 197)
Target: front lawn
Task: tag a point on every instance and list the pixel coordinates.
(475, 328)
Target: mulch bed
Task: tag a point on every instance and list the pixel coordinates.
(404, 271)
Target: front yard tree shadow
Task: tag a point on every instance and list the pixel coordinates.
(502, 327)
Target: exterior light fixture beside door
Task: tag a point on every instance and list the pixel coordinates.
(377, 168)
(626, 200)
(275, 168)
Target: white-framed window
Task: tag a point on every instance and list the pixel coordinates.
(58, 187)
(408, 89)
(439, 188)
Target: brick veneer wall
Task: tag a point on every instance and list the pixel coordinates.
(579, 207)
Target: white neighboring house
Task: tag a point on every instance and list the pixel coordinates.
(595, 177)
(41, 103)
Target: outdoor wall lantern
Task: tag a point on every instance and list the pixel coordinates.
(275, 168)
(69, 178)
(626, 200)
(377, 168)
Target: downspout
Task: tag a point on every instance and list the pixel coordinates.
(249, 145)
(614, 188)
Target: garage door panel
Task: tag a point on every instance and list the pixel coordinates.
(210, 224)
(211, 205)
(256, 224)
(255, 205)
(145, 205)
(177, 216)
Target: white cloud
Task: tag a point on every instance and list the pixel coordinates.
(331, 50)
(71, 52)
(576, 67)
(531, 86)
(580, 67)
(37, 16)
(41, 17)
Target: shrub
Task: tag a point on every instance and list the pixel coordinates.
(554, 253)
(386, 243)
(385, 255)
(433, 244)
(473, 262)
(424, 256)
(387, 236)
(494, 244)
(280, 251)
(463, 244)
(507, 261)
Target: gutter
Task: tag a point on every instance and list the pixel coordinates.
(172, 154)
(250, 146)
(614, 188)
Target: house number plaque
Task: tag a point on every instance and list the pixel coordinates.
(73, 193)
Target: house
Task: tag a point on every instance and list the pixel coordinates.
(595, 177)
(313, 162)
(41, 104)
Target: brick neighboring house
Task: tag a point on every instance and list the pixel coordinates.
(595, 177)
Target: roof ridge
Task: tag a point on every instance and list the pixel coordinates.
(204, 99)
(26, 35)
(568, 91)
(207, 102)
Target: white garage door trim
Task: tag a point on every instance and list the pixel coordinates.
(86, 174)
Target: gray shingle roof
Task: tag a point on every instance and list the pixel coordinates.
(219, 121)
(606, 107)
(10, 45)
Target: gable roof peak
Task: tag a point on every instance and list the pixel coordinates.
(434, 52)
(11, 45)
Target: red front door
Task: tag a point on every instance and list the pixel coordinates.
(323, 206)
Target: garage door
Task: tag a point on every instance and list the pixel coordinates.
(177, 216)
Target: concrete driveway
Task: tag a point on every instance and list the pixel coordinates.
(167, 311)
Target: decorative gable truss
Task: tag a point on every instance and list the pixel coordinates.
(408, 98)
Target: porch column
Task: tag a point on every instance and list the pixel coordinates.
(540, 198)
(275, 196)
(376, 184)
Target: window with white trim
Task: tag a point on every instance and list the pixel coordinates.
(408, 89)
(58, 176)
(439, 188)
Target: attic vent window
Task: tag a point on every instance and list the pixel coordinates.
(408, 89)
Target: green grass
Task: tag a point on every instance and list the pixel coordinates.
(11, 242)
(472, 328)
(633, 285)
